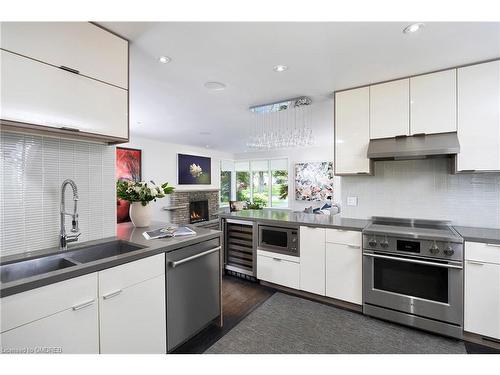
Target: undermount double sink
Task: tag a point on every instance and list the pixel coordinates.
(39, 266)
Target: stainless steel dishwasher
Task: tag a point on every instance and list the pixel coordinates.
(193, 290)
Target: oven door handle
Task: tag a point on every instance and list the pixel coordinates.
(416, 261)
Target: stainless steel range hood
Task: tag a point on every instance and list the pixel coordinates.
(414, 147)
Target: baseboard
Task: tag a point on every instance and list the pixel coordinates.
(481, 340)
(315, 297)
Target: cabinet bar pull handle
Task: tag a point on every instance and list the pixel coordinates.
(70, 129)
(71, 70)
(354, 246)
(467, 170)
(188, 259)
(476, 263)
(406, 260)
(361, 172)
(83, 305)
(493, 244)
(277, 259)
(112, 294)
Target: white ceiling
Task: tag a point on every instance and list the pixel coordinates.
(171, 103)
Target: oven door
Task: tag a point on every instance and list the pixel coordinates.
(275, 239)
(430, 289)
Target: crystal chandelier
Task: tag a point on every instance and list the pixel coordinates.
(282, 124)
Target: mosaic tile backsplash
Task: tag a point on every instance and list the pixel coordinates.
(424, 189)
(32, 170)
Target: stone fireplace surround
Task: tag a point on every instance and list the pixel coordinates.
(178, 204)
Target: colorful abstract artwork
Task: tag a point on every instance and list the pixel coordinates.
(193, 170)
(313, 181)
(128, 167)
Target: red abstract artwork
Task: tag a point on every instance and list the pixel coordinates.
(128, 167)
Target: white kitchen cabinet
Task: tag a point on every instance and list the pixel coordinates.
(352, 131)
(62, 315)
(344, 265)
(433, 103)
(67, 332)
(312, 260)
(278, 269)
(343, 236)
(482, 290)
(343, 272)
(132, 307)
(390, 109)
(40, 94)
(83, 46)
(479, 117)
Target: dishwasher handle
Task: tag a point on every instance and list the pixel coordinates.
(193, 257)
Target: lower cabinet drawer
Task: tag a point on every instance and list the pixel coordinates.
(482, 252)
(345, 237)
(128, 274)
(278, 271)
(26, 307)
(72, 331)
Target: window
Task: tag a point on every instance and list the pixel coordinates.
(243, 186)
(226, 181)
(261, 182)
(225, 186)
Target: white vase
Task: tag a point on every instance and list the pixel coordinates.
(139, 214)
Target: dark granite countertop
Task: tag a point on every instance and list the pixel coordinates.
(486, 235)
(298, 218)
(125, 231)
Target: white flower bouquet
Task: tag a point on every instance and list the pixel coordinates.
(140, 191)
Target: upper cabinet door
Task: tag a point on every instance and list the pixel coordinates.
(389, 109)
(37, 93)
(479, 117)
(433, 103)
(352, 131)
(82, 46)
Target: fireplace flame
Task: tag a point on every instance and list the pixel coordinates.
(195, 215)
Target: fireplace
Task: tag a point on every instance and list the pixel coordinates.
(198, 211)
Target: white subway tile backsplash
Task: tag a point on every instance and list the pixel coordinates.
(32, 170)
(424, 189)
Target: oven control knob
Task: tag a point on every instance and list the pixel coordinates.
(434, 249)
(372, 242)
(384, 244)
(449, 251)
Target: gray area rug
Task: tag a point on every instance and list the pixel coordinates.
(287, 324)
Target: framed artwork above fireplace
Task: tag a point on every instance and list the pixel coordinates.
(194, 170)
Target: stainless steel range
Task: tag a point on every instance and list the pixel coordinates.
(413, 274)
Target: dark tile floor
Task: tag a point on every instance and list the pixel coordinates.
(239, 298)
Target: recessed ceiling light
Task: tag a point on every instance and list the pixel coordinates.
(207, 146)
(413, 28)
(215, 86)
(164, 59)
(280, 68)
(205, 133)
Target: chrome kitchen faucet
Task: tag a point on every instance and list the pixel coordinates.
(63, 237)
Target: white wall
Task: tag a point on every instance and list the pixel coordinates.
(323, 150)
(425, 189)
(159, 163)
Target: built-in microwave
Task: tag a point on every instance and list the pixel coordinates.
(283, 240)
